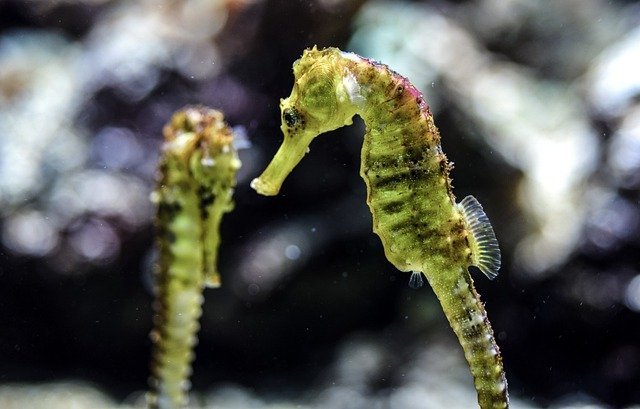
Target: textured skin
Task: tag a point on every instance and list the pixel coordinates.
(195, 187)
(408, 187)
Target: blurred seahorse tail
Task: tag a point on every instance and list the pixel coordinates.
(175, 338)
(468, 318)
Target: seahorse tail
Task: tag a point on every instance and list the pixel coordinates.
(174, 337)
(468, 318)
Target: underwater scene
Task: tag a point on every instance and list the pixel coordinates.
(464, 232)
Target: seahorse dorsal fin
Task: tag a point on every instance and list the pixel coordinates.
(485, 253)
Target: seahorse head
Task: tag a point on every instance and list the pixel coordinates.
(198, 139)
(321, 100)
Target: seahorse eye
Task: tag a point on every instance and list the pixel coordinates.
(291, 116)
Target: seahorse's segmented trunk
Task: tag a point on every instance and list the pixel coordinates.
(407, 175)
(197, 176)
(409, 191)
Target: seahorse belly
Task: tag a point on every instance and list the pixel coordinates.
(408, 188)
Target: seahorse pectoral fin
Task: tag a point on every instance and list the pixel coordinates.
(416, 281)
(485, 252)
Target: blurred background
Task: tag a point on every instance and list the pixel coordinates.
(538, 104)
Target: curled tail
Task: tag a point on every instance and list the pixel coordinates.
(466, 315)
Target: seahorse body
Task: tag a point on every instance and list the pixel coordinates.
(196, 180)
(409, 190)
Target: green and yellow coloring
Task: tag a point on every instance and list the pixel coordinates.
(422, 228)
(197, 174)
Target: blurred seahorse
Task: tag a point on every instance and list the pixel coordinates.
(197, 174)
(409, 191)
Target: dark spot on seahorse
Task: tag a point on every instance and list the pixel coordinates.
(384, 181)
(433, 234)
(404, 224)
(468, 245)
(169, 236)
(168, 209)
(369, 75)
(164, 232)
(206, 198)
(292, 117)
(414, 153)
(392, 207)
(417, 173)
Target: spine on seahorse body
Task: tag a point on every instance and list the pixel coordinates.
(196, 179)
(409, 191)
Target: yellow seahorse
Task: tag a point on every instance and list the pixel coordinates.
(422, 228)
(197, 174)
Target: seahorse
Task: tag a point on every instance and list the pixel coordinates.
(409, 191)
(196, 178)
